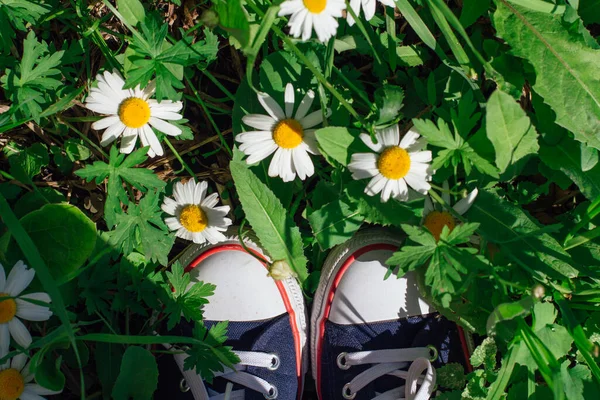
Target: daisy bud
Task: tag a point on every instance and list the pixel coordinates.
(538, 291)
(281, 270)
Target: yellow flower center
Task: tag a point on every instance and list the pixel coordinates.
(288, 133)
(134, 112)
(435, 221)
(394, 163)
(315, 6)
(193, 218)
(11, 384)
(8, 310)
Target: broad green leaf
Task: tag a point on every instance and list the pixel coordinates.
(566, 68)
(510, 131)
(27, 163)
(589, 10)
(472, 10)
(132, 11)
(233, 19)
(64, 236)
(335, 223)
(138, 378)
(519, 238)
(271, 223)
(108, 361)
(339, 144)
(566, 157)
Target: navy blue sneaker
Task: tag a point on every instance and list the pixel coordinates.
(373, 338)
(267, 329)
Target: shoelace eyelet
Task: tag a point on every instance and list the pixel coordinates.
(275, 363)
(183, 386)
(272, 393)
(434, 353)
(341, 361)
(346, 393)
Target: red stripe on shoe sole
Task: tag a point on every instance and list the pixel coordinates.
(280, 287)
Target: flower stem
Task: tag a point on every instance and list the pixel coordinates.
(176, 154)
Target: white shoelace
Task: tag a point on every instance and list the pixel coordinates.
(235, 375)
(393, 362)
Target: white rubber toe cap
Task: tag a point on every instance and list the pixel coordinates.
(244, 291)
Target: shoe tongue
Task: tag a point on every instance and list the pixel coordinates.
(267, 336)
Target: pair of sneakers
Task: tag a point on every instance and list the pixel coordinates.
(368, 338)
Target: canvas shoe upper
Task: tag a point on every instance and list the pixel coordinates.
(267, 328)
(373, 338)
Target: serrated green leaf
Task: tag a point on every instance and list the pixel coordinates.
(271, 223)
(389, 100)
(566, 68)
(510, 131)
(233, 19)
(335, 223)
(566, 157)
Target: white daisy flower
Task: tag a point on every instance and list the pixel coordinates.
(396, 165)
(435, 218)
(131, 113)
(195, 216)
(308, 14)
(368, 7)
(290, 138)
(17, 381)
(15, 306)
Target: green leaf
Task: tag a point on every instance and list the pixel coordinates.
(210, 357)
(138, 378)
(233, 19)
(472, 10)
(335, 223)
(566, 157)
(271, 223)
(411, 257)
(389, 100)
(36, 75)
(510, 131)
(27, 163)
(64, 236)
(108, 361)
(589, 10)
(519, 238)
(339, 144)
(119, 169)
(188, 303)
(142, 226)
(132, 11)
(566, 68)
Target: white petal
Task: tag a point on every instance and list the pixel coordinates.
(169, 205)
(262, 153)
(305, 105)
(4, 340)
(152, 140)
(259, 121)
(463, 205)
(312, 119)
(363, 165)
(375, 185)
(355, 5)
(211, 200)
(189, 189)
(446, 192)
(369, 9)
(32, 312)
(310, 140)
(18, 279)
(112, 133)
(390, 136)
(409, 139)
(179, 193)
(2, 278)
(200, 192)
(275, 161)
(28, 394)
(172, 223)
(286, 172)
(289, 100)
(168, 115)
(402, 190)
(271, 106)
(164, 127)
(302, 163)
(387, 190)
(421, 156)
(102, 108)
(417, 182)
(18, 361)
(38, 389)
(254, 136)
(130, 136)
(19, 332)
(105, 122)
(307, 26)
(369, 142)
